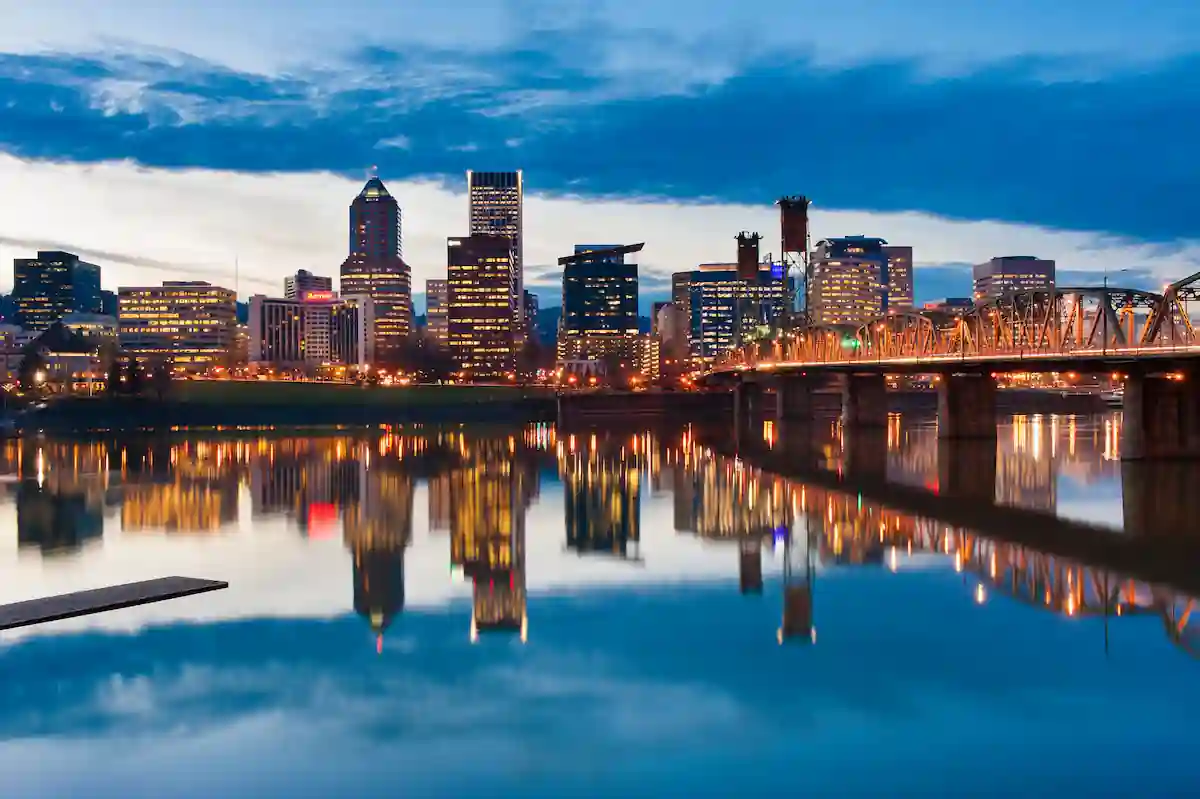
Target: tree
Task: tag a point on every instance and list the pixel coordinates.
(160, 378)
(533, 355)
(113, 382)
(133, 376)
(32, 369)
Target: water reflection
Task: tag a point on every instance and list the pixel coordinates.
(481, 485)
(473, 558)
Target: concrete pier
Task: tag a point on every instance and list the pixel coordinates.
(864, 400)
(1161, 417)
(967, 407)
(967, 469)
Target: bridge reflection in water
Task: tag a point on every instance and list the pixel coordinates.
(803, 504)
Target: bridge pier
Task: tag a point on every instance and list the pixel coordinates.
(1156, 498)
(864, 453)
(794, 397)
(747, 402)
(864, 400)
(967, 407)
(967, 469)
(1161, 419)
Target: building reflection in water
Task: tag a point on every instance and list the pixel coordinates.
(602, 493)
(480, 485)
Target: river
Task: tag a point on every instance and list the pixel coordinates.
(515, 611)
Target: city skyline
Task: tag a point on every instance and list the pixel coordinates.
(188, 116)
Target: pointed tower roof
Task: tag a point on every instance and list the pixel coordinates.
(374, 189)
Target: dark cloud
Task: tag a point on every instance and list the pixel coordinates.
(1008, 142)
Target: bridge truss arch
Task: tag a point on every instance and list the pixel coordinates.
(1063, 321)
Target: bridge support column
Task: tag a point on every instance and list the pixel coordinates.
(967, 469)
(747, 402)
(864, 401)
(967, 407)
(864, 453)
(1156, 497)
(1161, 419)
(794, 397)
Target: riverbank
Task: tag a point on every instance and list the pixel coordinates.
(248, 404)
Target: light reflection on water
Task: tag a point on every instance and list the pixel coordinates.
(519, 612)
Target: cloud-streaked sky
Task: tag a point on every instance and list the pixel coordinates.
(168, 139)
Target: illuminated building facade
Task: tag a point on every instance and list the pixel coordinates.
(1012, 273)
(318, 328)
(437, 301)
(189, 323)
(724, 308)
(480, 313)
(529, 307)
(297, 285)
(848, 283)
(647, 356)
(375, 269)
(900, 277)
(599, 303)
(495, 202)
(52, 285)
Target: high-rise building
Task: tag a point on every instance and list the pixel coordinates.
(725, 309)
(599, 303)
(1013, 273)
(52, 285)
(495, 200)
(297, 285)
(479, 316)
(437, 301)
(190, 323)
(671, 329)
(848, 283)
(316, 329)
(374, 268)
(900, 277)
(529, 307)
(108, 303)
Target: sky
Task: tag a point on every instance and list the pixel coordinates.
(168, 139)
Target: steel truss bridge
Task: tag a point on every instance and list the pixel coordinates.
(1036, 331)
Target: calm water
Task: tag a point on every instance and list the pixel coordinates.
(511, 612)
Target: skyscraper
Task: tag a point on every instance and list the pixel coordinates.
(719, 300)
(1012, 273)
(437, 302)
(52, 285)
(495, 201)
(900, 277)
(848, 282)
(599, 302)
(479, 316)
(295, 286)
(374, 268)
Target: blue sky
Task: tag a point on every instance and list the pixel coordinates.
(192, 136)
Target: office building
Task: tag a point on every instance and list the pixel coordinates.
(848, 283)
(108, 303)
(52, 285)
(375, 269)
(437, 301)
(495, 202)
(900, 277)
(530, 307)
(726, 309)
(949, 305)
(315, 330)
(599, 303)
(479, 317)
(1012, 273)
(95, 327)
(189, 323)
(297, 285)
(671, 330)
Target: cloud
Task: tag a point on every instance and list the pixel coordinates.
(140, 224)
(1034, 140)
